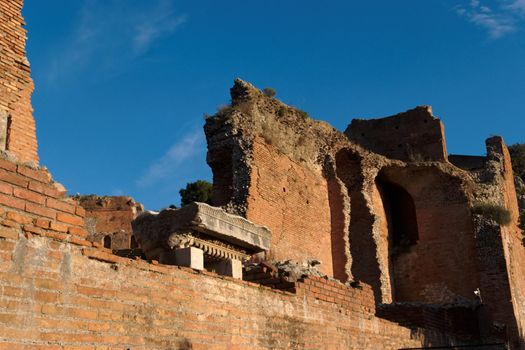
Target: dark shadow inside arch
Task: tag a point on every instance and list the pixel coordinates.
(403, 230)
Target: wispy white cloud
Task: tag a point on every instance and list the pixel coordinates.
(162, 24)
(500, 19)
(111, 34)
(181, 151)
(517, 5)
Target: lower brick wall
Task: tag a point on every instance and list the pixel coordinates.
(462, 321)
(57, 295)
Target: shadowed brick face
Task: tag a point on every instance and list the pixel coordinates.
(427, 260)
(16, 84)
(511, 235)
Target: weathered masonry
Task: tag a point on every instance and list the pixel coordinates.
(369, 239)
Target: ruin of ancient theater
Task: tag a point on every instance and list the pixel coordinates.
(371, 238)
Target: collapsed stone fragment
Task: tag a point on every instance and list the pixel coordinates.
(200, 236)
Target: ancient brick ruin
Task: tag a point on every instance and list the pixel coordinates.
(108, 220)
(317, 239)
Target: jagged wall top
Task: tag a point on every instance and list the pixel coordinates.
(289, 129)
(414, 135)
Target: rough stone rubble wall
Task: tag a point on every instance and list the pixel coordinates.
(501, 254)
(16, 85)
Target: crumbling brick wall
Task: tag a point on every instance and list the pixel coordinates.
(438, 265)
(31, 203)
(268, 163)
(318, 193)
(501, 257)
(413, 135)
(108, 219)
(61, 291)
(263, 142)
(16, 85)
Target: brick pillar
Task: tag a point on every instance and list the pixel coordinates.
(16, 85)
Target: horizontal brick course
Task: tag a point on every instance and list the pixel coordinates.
(82, 304)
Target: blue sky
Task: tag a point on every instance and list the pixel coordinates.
(122, 85)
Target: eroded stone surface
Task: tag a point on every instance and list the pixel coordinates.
(172, 228)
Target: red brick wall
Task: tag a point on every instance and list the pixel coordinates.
(442, 265)
(30, 202)
(60, 296)
(58, 291)
(292, 201)
(16, 84)
(110, 216)
(413, 135)
(456, 319)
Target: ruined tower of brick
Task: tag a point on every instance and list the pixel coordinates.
(17, 125)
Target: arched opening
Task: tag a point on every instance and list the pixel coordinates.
(429, 232)
(403, 234)
(401, 215)
(107, 242)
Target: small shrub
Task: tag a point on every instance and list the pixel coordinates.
(270, 92)
(495, 212)
(244, 107)
(281, 112)
(303, 114)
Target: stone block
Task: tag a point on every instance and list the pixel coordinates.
(157, 231)
(229, 267)
(190, 257)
